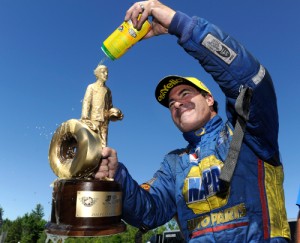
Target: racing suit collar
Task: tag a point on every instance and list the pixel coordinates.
(194, 137)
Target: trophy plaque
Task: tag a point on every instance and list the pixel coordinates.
(82, 205)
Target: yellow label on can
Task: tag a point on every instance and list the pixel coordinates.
(123, 38)
(98, 204)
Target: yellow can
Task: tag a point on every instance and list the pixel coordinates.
(124, 37)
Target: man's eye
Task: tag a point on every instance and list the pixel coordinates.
(171, 104)
(185, 93)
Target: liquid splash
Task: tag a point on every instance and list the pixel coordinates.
(55, 238)
(103, 60)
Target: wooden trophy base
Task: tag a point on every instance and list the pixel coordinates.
(83, 207)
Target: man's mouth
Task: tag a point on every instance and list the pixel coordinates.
(185, 107)
(181, 111)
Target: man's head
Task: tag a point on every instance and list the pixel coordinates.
(101, 72)
(190, 102)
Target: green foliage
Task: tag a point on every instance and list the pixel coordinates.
(26, 229)
(127, 236)
(30, 229)
(1, 214)
(14, 230)
(42, 238)
(1, 211)
(38, 212)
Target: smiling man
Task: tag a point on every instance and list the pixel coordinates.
(226, 185)
(190, 102)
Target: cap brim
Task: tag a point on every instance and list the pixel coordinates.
(169, 82)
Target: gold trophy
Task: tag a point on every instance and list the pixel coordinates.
(82, 205)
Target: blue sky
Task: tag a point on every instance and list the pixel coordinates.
(49, 49)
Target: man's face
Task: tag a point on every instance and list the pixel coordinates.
(189, 109)
(102, 74)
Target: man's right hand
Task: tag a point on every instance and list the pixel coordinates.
(162, 16)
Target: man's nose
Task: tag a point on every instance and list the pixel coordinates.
(177, 103)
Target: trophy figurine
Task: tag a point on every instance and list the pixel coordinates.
(82, 205)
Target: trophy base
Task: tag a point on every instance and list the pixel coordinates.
(87, 231)
(82, 207)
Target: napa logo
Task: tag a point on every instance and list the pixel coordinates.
(202, 185)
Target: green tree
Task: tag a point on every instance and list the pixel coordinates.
(14, 230)
(127, 236)
(42, 238)
(30, 229)
(26, 229)
(1, 214)
(38, 211)
(33, 225)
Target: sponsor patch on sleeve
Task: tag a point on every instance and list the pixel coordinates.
(219, 48)
(146, 186)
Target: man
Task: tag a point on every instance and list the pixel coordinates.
(245, 201)
(97, 107)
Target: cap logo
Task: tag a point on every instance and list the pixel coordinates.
(166, 88)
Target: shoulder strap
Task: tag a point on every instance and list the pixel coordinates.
(242, 106)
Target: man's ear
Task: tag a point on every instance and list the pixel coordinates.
(210, 100)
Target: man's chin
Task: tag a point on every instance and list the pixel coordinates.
(186, 128)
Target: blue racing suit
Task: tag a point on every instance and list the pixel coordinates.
(187, 185)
